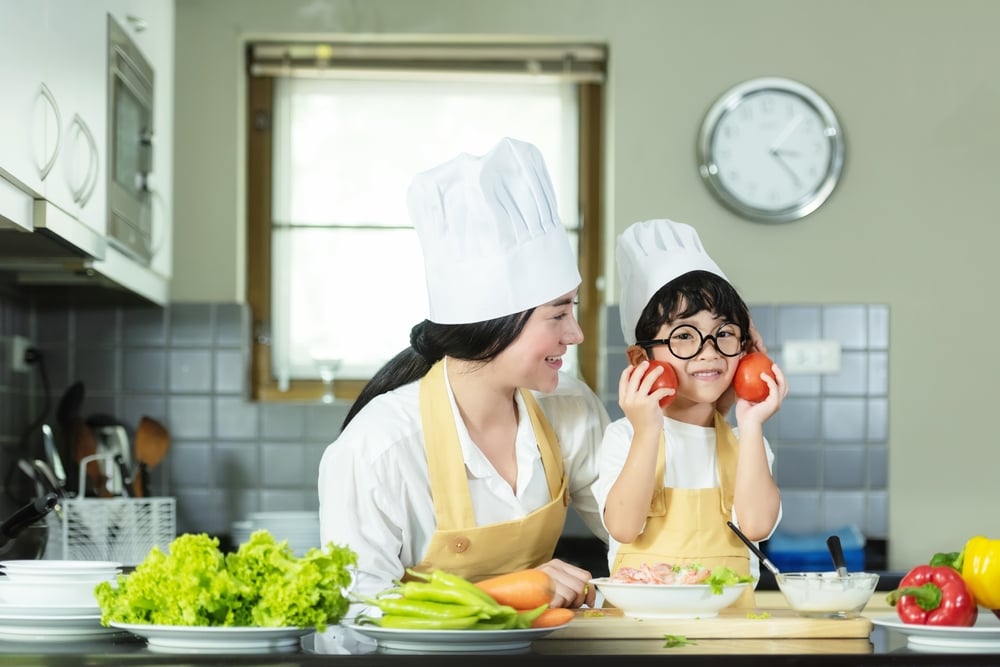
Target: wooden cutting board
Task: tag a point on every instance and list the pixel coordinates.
(729, 624)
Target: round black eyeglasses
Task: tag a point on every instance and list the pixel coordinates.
(687, 341)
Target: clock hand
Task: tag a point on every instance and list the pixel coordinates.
(786, 132)
(777, 156)
(778, 151)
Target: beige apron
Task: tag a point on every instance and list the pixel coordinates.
(689, 525)
(458, 545)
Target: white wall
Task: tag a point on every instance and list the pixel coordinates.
(911, 225)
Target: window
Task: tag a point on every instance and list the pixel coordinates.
(335, 269)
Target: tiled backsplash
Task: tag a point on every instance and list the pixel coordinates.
(187, 365)
(830, 438)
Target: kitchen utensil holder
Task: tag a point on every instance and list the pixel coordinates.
(116, 529)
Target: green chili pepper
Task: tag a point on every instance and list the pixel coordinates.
(449, 580)
(431, 592)
(525, 618)
(416, 623)
(424, 609)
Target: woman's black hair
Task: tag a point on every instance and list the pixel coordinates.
(688, 294)
(430, 342)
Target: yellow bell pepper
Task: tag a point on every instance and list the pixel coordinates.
(981, 570)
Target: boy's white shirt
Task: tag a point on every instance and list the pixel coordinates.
(690, 464)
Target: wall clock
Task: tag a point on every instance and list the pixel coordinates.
(771, 149)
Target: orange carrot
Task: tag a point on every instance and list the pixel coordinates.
(523, 589)
(552, 617)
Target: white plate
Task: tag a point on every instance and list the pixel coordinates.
(53, 628)
(192, 639)
(60, 565)
(47, 610)
(426, 641)
(984, 636)
(59, 570)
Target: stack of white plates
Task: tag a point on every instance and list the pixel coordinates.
(53, 600)
(300, 529)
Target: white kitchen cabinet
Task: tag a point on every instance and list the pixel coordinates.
(76, 74)
(22, 72)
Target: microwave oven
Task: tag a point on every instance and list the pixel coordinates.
(130, 146)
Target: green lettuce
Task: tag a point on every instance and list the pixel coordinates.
(263, 584)
(724, 576)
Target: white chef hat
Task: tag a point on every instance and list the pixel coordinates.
(491, 235)
(650, 254)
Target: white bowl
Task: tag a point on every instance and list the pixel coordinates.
(667, 600)
(59, 593)
(826, 594)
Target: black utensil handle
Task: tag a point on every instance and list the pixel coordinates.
(126, 478)
(28, 514)
(836, 552)
(753, 547)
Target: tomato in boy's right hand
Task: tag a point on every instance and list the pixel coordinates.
(747, 382)
(667, 379)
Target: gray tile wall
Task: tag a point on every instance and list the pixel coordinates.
(187, 365)
(830, 438)
(18, 406)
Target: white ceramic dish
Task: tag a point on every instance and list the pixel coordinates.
(53, 628)
(827, 594)
(188, 639)
(46, 610)
(59, 567)
(983, 637)
(452, 641)
(667, 600)
(54, 592)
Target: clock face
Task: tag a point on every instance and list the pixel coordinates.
(771, 150)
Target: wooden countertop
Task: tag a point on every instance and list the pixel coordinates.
(758, 624)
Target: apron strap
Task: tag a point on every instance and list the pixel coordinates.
(453, 507)
(444, 453)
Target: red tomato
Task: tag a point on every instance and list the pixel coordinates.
(668, 379)
(748, 383)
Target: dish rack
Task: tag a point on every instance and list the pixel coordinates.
(119, 529)
(116, 528)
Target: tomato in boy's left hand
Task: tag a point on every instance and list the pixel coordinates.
(747, 381)
(667, 380)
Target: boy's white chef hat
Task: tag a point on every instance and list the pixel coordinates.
(650, 254)
(491, 235)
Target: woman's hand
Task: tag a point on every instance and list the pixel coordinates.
(571, 584)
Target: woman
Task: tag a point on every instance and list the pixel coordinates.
(464, 451)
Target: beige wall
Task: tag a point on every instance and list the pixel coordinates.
(911, 225)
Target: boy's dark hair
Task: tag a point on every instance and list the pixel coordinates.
(688, 294)
(430, 342)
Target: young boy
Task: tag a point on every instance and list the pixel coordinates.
(670, 478)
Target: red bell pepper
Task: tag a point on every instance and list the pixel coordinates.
(934, 595)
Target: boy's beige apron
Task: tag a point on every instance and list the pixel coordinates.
(458, 545)
(689, 525)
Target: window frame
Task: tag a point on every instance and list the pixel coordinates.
(260, 98)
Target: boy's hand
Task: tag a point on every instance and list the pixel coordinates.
(637, 398)
(777, 390)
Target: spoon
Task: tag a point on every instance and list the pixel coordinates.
(757, 552)
(837, 553)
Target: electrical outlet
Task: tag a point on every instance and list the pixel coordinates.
(18, 348)
(811, 356)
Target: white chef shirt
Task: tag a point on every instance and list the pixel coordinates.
(374, 490)
(690, 464)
